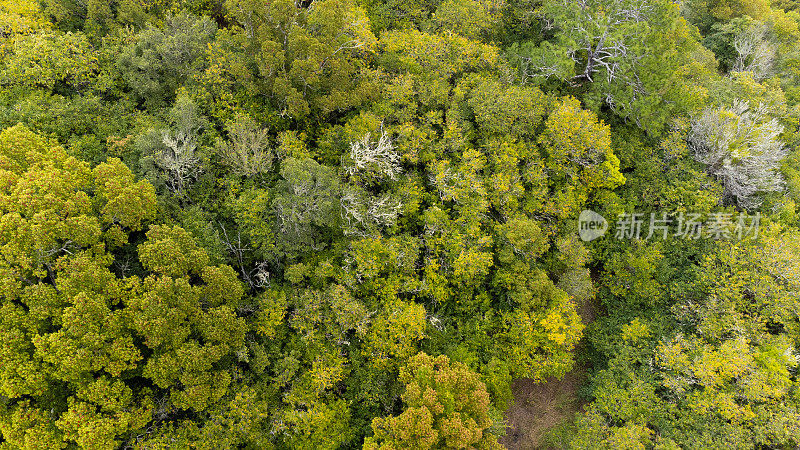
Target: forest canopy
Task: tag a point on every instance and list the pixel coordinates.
(336, 224)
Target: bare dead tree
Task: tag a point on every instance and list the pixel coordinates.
(598, 37)
(756, 54)
(741, 147)
(238, 250)
(598, 46)
(260, 275)
(177, 160)
(364, 214)
(380, 158)
(364, 207)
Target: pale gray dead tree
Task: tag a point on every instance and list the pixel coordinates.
(600, 35)
(756, 54)
(178, 160)
(596, 41)
(740, 146)
(379, 158)
(176, 156)
(364, 213)
(261, 275)
(238, 250)
(255, 278)
(247, 152)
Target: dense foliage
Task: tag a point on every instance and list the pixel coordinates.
(353, 223)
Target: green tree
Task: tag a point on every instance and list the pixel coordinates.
(109, 353)
(446, 405)
(159, 60)
(311, 60)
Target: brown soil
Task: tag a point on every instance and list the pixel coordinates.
(539, 407)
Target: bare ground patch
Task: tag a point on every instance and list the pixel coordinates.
(540, 407)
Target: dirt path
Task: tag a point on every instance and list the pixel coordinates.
(539, 407)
